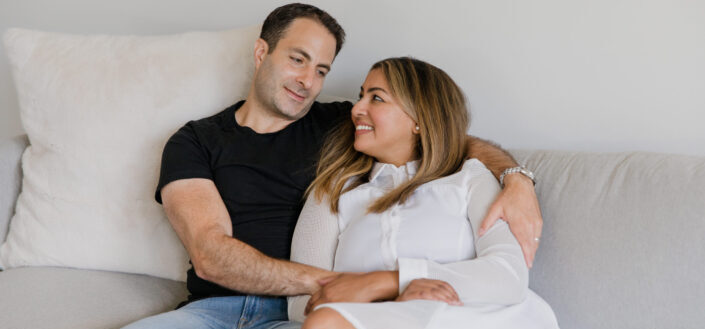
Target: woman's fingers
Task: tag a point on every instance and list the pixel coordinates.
(431, 290)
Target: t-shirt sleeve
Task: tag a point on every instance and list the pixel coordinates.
(184, 157)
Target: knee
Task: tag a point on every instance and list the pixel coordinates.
(326, 318)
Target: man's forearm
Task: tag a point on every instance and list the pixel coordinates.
(236, 265)
(495, 158)
(201, 220)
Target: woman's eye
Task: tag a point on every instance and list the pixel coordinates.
(377, 98)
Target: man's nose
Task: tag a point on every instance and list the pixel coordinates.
(305, 78)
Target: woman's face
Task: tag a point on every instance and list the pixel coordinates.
(382, 129)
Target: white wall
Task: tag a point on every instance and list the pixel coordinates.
(600, 75)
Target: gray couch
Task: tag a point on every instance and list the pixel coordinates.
(623, 247)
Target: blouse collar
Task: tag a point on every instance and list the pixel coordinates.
(398, 174)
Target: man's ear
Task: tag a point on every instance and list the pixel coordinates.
(261, 50)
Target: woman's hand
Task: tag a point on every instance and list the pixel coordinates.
(431, 290)
(355, 287)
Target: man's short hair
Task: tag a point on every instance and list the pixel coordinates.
(279, 20)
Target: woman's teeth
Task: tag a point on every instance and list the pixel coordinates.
(363, 127)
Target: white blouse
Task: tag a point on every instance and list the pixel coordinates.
(434, 234)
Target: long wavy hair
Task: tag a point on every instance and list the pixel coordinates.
(437, 105)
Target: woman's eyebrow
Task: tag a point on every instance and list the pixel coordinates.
(371, 89)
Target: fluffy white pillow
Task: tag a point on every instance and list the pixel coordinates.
(98, 111)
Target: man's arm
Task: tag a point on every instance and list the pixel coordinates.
(495, 158)
(199, 217)
(516, 204)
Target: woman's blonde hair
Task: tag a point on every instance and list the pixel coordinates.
(434, 101)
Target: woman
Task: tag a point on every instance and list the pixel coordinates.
(396, 202)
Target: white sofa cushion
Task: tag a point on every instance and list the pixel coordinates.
(98, 111)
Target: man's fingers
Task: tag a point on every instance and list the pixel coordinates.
(533, 244)
(307, 310)
(493, 215)
(528, 255)
(311, 305)
(312, 301)
(526, 233)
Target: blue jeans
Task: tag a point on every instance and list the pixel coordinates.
(241, 312)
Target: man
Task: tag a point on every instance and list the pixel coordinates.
(232, 184)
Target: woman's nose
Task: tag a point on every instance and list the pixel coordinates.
(359, 109)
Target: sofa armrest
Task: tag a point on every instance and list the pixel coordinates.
(11, 151)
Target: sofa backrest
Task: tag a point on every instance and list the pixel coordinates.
(623, 244)
(10, 178)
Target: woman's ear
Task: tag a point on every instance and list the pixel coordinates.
(416, 129)
(261, 50)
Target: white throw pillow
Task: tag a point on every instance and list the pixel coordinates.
(98, 111)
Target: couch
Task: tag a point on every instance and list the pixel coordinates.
(623, 246)
(85, 246)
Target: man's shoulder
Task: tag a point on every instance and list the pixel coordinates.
(330, 110)
(200, 128)
(343, 105)
(220, 119)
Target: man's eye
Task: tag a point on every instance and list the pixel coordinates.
(322, 73)
(297, 60)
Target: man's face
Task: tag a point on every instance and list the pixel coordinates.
(289, 79)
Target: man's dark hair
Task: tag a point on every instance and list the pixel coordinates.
(279, 20)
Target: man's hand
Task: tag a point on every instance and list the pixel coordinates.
(518, 206)
(355, 287)
(431, 290)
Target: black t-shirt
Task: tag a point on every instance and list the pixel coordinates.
(260, 177)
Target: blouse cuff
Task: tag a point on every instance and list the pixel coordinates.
(409, 270)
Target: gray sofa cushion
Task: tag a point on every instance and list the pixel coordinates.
(46, 297)
(623, 244)
(10, 178)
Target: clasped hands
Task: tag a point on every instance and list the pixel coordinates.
(378, 286)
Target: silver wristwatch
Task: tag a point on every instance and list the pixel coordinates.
(517, 170)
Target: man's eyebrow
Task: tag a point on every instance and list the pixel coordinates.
(308, 57)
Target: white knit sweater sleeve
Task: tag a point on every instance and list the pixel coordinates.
(314, 243)
(498, 274)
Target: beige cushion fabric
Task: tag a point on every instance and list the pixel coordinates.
(57, 298)
(623, 244)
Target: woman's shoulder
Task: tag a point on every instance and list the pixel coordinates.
(474, 167)
(471, 170)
